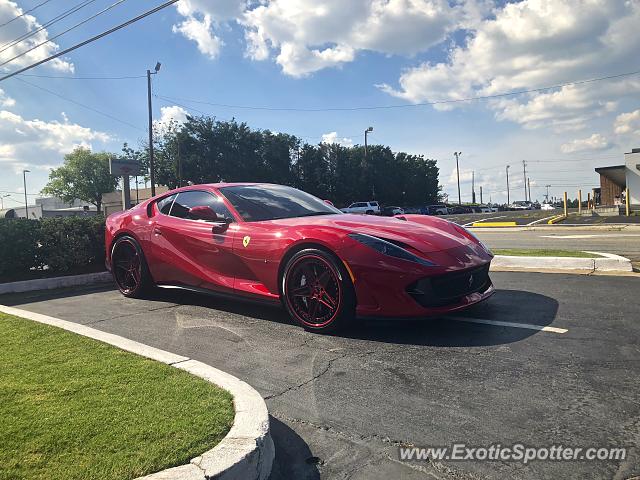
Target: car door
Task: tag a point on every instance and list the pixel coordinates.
(193, 242)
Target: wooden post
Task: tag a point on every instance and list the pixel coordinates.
(589, 201)
(579, 202)
(627, 202)
(565, 204)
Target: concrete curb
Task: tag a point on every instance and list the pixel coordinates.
(55, 282)
(609, 263)
(246, 453)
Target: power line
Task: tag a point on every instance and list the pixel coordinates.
(92, 39)
(56, 19)
(82, 105)
(406, 105)
(168, 102)
(86, 20)
(26, 12)
(96, 77)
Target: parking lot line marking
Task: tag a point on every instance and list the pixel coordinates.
(595, 235)
(483, 220)
(540, 220)
(529, 326)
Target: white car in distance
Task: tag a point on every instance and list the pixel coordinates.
(368, 208)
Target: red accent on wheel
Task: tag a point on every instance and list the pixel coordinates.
(313, 291)
(126, 266)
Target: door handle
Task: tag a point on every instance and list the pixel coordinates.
(157, 231)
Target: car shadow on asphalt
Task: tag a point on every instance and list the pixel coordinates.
(293, 456)
(514, 306)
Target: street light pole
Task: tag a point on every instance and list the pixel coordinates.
(2, 197)
(457, 154)
(366, 161)
(508, 199)
(26, 203)
(152, 167)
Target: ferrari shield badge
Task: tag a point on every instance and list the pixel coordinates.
(245, 241)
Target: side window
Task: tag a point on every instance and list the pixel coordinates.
(188, 200)
(359, 205)
(373, 204)
(164, 205)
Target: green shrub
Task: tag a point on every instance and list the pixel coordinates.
(52, 246)
(70, 243)
(18, 245)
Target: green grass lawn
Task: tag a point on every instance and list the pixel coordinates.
(521, 252)
(75, 408)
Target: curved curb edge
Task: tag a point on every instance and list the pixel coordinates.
(246, 453)
(55, 282)
(608, 263)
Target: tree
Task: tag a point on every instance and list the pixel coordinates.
(84, 175)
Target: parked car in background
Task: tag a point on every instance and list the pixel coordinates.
(459, 209)
(390, 211)
(521, 205)
(369, 208)
(434, 210)
(547, 206)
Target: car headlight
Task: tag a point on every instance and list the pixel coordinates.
(388, 248)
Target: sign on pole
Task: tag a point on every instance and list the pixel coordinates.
(120, 167)
(124, 168)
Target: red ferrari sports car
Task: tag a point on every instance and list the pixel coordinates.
(280, 244)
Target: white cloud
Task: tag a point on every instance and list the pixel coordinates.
(17, 28)
(202, 18)
(594, 142)
(309, 35)
(304, 36)
(37, 143)
(168, 116)
(628, 123)
(535, 43)
(6, 101)
(332, 137)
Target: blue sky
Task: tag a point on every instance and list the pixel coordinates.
(322, 54)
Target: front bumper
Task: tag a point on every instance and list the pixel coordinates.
(390, 288)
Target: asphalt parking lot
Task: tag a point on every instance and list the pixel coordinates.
(341, 405)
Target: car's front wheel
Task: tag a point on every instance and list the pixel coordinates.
(129, 268)
(317, 291)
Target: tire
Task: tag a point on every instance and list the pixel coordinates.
(129, 268)
(317, 291)
(369, 212)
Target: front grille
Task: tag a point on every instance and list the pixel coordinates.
(449, 288)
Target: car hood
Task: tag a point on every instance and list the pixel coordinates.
(431, 235)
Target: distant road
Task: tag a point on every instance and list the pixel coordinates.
(622, 243)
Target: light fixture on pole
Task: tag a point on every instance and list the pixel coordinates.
(26, 203)
(152, 167)
(457, 154)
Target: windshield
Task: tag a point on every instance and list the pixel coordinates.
(256, 203)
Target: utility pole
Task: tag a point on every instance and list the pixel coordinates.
(529, 185)
(547, 195)
(152, 166)
(481, 194)
(26, 202)
(524, 176)
(508, 199)
(457, 154)
(473, 186)
(2, 197)
(366, 161)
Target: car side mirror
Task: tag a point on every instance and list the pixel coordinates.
(221, 225)
(203, 213)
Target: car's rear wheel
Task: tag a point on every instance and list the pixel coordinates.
(129, 268)
(317, 291)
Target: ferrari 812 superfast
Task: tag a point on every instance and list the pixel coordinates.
(278, 244)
